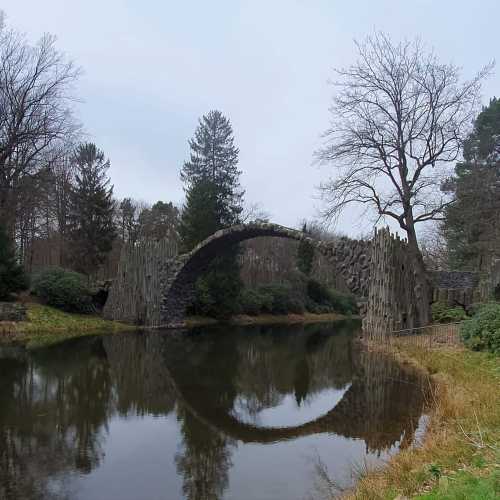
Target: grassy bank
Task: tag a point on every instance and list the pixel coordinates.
(460, 455)
(46, 325)
(267, 319)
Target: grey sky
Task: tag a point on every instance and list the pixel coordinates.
(152, 67)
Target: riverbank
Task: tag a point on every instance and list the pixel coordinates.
(267, 319)
(46, 325)
(460, 453)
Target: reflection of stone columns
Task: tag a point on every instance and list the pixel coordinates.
(141, 380)
(382, 405)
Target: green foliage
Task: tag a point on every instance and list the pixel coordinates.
(213, 202)
(482, 331)
(218, 290)
(211, 179)
(292, 297)
(442, 313)
(66, 290)
(199, 216)
(344, 303)
(284, 299)
(305, 254)
(91, 224)
(254, 301)
(471, 219)
(12, 277)
(465, 486)
(160, 221)
(331, 299)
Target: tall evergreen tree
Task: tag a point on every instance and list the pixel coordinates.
(12, 278)
(213, 201)
(472, 222)
(211, 175)
(92, 228)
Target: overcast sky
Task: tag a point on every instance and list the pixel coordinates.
(152, 67)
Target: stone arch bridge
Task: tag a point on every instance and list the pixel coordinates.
(155, 285)
(350, 257)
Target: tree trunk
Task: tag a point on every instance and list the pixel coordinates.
(423, 290)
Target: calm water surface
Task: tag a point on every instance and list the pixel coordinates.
(221, 413)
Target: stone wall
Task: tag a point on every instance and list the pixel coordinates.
(135, 295)
(12, 311)
(392, 296)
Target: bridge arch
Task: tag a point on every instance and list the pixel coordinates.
(350, 257)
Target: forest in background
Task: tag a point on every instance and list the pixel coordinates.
(57, 206)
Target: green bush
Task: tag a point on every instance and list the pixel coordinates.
(318, 292)
(482, 331)
(218, 289)
(66, 290)
(281, 299)
(343, 303)
(254, 301)
(442, 313)
(324, 300)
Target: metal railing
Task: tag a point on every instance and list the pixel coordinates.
(434, 335)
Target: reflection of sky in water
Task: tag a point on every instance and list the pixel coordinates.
(288, 412)
(140, 458)
(80, 416)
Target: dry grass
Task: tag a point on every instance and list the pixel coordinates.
(267, 319)
(464, 428)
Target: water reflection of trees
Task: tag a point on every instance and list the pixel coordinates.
(53, 410)
(382, 405)
(55, 403)
(289, 360)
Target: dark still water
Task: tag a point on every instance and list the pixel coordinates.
(221, 413)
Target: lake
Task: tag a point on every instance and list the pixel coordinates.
(240, 413)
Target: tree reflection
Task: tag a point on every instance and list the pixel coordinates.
(54, 408)
(55, 403)
(204, 461)
(382, 405)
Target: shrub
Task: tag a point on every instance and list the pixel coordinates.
(218, 289)
(283, 299)
(343, 303)
(324, 300)
(12, 277)
(254, 301)
(442, 313)
(318, 292)
(66, 290)
(482, 331)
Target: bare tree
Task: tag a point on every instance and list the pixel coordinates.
(434, 247)
(397, 123)
(35, 111)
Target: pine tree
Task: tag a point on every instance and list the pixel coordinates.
(12, 277)
(213, 201)
(305, 254)
(91, 223)
(472, 226)
(211, 178)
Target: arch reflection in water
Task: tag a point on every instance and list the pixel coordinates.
(210, 410)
